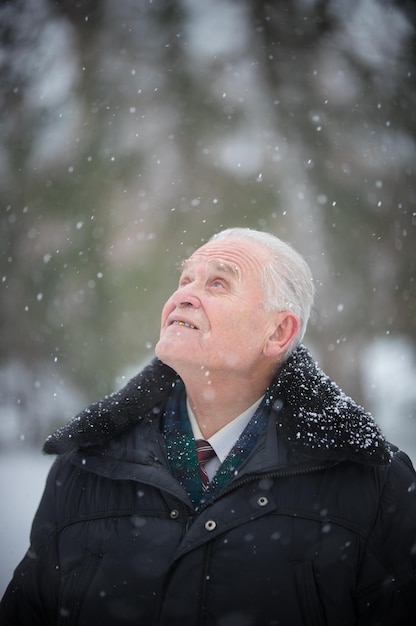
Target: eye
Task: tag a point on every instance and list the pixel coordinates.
(218, 283)
(184, 280)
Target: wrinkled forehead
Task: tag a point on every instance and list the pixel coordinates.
(232, 256)
(215, 264)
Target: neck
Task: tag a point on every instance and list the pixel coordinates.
(216, 401)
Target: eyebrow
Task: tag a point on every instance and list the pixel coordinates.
(218, 264)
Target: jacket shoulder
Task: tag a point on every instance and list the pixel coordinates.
(117, 413)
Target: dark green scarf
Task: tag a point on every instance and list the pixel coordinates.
(181, 448)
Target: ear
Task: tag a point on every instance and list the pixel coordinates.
(286, 327)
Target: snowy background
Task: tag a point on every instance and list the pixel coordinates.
(131, 131)
(22, 478)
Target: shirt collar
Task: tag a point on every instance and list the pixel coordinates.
(225, 438)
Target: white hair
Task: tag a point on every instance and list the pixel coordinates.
(287, 279)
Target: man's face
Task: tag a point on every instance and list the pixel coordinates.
(216, 319)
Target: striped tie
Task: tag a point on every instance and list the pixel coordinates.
(205, 452)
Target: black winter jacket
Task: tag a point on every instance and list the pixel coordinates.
(318, 528)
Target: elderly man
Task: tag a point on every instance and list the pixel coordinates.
(230, 483)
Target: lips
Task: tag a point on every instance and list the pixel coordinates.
(181, 319)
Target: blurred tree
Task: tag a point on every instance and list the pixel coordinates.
(133, 130)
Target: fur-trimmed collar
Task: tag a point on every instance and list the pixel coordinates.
(312, 414)
(317, 419)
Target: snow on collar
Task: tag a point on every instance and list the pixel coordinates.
(312, 414)
(317, 419)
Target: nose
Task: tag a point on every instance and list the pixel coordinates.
(186, 296)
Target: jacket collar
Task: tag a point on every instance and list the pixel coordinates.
(317, 420)
(141, 399)
(314, 417)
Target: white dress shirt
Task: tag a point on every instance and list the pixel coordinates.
(225, 438)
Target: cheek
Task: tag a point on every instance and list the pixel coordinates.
(234, 334)
(167, 309)
(248, 331)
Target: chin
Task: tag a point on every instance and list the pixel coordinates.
(180, 361)
(168, 354)
(161, 351)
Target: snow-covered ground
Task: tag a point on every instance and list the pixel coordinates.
(22, 479)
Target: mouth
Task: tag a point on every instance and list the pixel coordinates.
(182, 323)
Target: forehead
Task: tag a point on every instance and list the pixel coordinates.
(215, 264)
(237, 257)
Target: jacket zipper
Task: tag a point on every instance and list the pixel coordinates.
(277, 474)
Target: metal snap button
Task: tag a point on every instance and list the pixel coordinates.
(262, 501)
(174, 514)
(210, 525)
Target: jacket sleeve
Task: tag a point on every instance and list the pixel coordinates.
(387, 580)
(31, 597)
